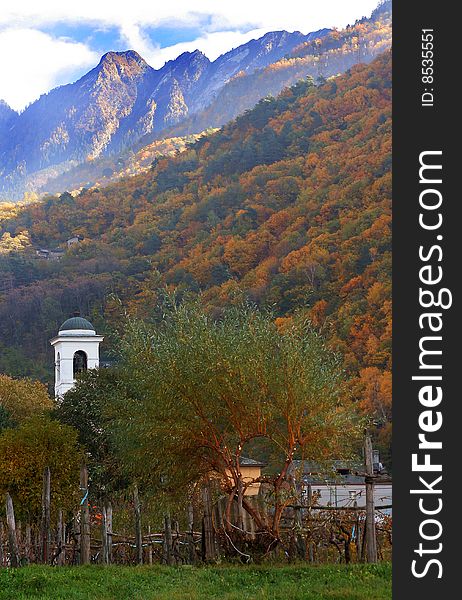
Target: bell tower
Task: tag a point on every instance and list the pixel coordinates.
(76, 350)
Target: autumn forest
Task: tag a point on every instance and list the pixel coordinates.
(288, 207)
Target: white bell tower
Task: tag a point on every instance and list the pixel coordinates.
(76, 350)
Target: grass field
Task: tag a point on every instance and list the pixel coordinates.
(326, 582)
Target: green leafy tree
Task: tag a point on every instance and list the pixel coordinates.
(206, 390)
(89, 409)
(24, 454)
(23, 398)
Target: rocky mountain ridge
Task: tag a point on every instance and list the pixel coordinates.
(118, 102)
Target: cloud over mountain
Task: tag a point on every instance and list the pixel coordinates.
(210, 26)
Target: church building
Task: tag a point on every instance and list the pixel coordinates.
(76, 350)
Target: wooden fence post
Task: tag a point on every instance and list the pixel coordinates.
(371, 540)
(138, 534)
(12, 540)
(150, 546)
(168, 540)
(28, 544)
(240, 509)
(61, 540)
(251, 521)
(358, 541)
(209, 551)
(1, 543)
(191, 548)
(104, 539)
(109, 531)
(84, 518)
(45, 525)
(76, 540)
(19, 535)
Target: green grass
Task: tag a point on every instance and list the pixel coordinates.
(326, 582)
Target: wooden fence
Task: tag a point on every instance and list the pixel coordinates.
(313, 533)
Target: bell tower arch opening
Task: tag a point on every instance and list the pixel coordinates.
(79, 362)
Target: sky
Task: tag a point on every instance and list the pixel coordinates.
(46, 43)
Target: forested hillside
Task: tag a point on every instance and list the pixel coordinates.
(289, 205)
(320, 58)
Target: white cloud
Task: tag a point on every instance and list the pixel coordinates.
(221, 15)
(34, 62)
(211, 44)
(134, 38)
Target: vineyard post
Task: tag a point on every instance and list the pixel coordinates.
(168, 540)
(150, 546)
(12, 540)
(138, 534)
(109, 531)
(371, 540)
(1, 543)
(104, 538)
(45, 526)
(28, 544)
(209, 551)
(84, 518)
(61, 539)
(191, 548)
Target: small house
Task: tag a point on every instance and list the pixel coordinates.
(42, 253)
(251, 470)
(341, 484)
(76, 239)
(56, 254)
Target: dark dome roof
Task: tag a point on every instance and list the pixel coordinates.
(76, 323)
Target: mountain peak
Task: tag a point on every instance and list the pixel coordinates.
(123, 101)
(122, 65)
(6, 112)
(5, 106)
(128, 56)
(188, 58)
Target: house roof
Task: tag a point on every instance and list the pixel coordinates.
(310, 467)
(244, 461)
(341, 472)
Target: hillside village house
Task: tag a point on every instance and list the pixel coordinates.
(251, 470)
(342, 484)
(76, 239)
(58, 253)
(53, 254)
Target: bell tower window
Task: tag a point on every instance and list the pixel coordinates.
(80, 362)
